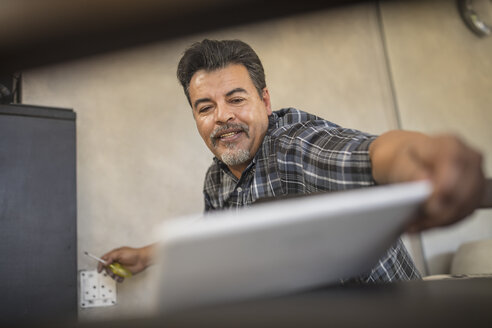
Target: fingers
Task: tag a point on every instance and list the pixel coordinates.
(134, 260)
(114, 276)
(107, 271)
(458, 181)
(110, 257)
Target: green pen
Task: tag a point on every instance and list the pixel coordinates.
(115, 267)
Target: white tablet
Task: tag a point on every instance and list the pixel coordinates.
(280, 247)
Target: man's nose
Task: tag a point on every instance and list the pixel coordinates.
(224, 113)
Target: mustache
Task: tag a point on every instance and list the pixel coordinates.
(229, 126)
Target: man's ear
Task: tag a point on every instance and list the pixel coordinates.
(266, 100)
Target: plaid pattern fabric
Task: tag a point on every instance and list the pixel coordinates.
(301, 154)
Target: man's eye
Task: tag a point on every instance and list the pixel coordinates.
(204, 109)
(237, 100)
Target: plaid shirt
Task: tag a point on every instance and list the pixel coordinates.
(301, 154)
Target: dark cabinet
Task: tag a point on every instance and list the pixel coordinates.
(38, 226)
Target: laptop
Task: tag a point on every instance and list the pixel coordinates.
(281, 247)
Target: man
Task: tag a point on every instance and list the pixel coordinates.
(260, 153)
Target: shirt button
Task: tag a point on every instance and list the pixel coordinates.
(239, 189)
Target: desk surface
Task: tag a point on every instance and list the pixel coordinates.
(443, 303)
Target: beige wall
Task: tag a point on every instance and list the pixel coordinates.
(140, 159)
(443, 82)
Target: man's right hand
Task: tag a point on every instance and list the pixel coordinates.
(134, 259)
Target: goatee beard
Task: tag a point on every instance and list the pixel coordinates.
(232, 157)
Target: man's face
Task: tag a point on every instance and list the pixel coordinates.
(230, 115)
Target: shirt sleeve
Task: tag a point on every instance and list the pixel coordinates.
(208, 203)
(211, 186)
(314, 156)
